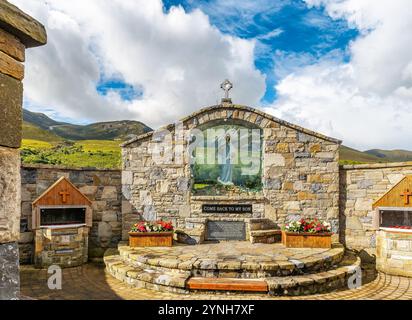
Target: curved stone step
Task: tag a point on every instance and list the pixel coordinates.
(232, 267)
(142, 277)
(337, 278)
(183, 282)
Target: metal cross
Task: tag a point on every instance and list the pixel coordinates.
(226, 87)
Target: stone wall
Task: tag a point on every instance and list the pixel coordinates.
(66, 247)
(18, 31)
(102, 187)
(394, 252)
(360, 186)
(300, 172)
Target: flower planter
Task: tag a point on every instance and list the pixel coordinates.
(306, 240)
(150, 239)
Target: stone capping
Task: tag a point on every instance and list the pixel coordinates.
(28, 30)
(232, 198)
(237, 107)
(57, 167)
(376, 165)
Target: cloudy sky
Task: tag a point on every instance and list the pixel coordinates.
(340, 67)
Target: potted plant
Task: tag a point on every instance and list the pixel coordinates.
(151, 234)
(307, 233)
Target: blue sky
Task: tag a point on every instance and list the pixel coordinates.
(331, 68)
(283, 28)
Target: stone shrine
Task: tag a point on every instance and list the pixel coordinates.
(230, 163)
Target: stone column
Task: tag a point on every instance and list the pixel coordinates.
(18, 31)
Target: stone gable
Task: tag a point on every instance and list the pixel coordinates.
(300, 173)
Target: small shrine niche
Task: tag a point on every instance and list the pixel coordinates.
(62, 204)
(62, 217)
(394, 208)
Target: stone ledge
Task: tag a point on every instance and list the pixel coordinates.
(376, 165)
(57, 167)
(28, 30)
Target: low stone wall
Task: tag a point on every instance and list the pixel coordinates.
(101, 186)
(360, 186)
(66, 247)
(394, 253)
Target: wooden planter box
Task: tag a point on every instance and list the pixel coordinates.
(306, 240)
(150, 239)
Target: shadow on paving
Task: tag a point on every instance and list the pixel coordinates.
(88, 282)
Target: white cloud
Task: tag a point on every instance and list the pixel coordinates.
(177, 58)
(368, 101)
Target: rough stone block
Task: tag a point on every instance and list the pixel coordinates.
(11, 67)
(11, 94)
(274, 159)
(28, 30)
(9, 266)
(10, 195)
(10, 45)
(109, 192)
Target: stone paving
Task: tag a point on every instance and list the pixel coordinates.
(90, 282)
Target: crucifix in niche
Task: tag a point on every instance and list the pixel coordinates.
(406, 194)
(64, 195)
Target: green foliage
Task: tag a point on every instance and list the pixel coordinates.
(88, 153)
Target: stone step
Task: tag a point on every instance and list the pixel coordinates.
(261, 224)
(231, 267)
(143, 277)
(227, 284)
(266, 236)
(182, 282)
(265, 233)
(325, 281)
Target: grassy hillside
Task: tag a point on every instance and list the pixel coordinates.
(31, 131)
(352, 156)
(86, 153)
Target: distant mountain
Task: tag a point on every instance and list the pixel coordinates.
(391, 155)
(349, 155)
(38, 125)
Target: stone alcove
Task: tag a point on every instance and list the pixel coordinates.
(62, 217)
(393, 222)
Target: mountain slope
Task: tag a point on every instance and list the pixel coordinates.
(349, 155)
(31, 131)
(391, 155)
(113, 130)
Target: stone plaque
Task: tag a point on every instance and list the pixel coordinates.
(227, 208)
(226, 230)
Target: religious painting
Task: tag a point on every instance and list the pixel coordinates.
(226, 157)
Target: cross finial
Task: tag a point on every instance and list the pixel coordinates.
(226, 87)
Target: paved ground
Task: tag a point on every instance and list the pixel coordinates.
(90, 282)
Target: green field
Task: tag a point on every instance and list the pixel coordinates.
(83, 153)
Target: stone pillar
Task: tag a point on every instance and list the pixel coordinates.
(18, 31)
